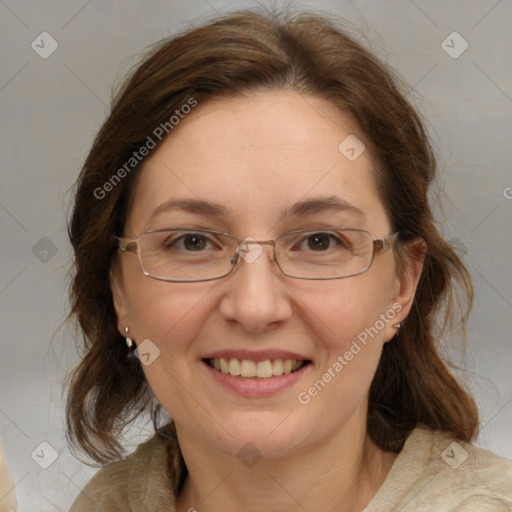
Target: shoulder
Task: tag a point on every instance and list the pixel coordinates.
(475, 475)
(437, 473)
(7, 489)
(138, 480)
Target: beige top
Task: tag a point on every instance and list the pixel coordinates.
(432, 473)
(7, 490)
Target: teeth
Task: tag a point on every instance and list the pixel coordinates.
(264, 369)
(277, 367)
(261, 369)
(248, 368)
(234, 367)
(224, 365)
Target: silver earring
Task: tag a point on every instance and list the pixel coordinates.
(397, 326)
(129, 341)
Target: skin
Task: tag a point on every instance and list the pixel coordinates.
(256, 155)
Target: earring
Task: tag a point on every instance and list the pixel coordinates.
(129, 341)
(397, 326)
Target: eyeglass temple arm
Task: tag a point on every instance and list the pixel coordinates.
(385, 243)
(126, 245)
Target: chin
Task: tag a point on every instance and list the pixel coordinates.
(262, 434)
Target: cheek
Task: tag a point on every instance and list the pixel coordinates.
(346, 309)
(171, 316)
(350, 325)
(167, 313)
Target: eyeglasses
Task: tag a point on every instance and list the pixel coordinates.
(193, 255)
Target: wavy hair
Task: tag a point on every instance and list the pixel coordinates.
(238, 54)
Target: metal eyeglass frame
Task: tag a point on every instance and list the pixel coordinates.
(131, 245)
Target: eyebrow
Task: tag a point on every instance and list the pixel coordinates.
(318, 205)
(299, 209)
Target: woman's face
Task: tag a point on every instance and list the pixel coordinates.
(257, 157)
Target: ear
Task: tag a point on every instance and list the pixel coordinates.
(119, 298)
(406, 282)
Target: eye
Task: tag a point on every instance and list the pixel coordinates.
(195, 242)
(321, 242)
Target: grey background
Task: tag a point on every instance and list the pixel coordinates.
(51, 109)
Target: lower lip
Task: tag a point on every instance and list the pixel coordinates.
(257, 388)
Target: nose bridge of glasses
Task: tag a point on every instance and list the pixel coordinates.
(172, 258)
(250, 249)
(253, 241)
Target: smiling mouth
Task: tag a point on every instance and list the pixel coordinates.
(249, 369)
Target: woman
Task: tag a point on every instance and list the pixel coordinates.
(255, 255)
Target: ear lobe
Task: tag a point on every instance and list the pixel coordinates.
(118, 299)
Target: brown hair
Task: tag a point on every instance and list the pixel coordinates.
(238, 54)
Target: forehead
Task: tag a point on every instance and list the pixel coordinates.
(256, 157)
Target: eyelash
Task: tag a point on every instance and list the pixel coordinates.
(169, 243)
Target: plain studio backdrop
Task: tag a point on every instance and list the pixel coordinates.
(59, 60)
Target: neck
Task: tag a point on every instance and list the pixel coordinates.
(341, 474)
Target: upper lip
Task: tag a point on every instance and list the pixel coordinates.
(260, 355)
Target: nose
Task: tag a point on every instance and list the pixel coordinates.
(255, 295)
